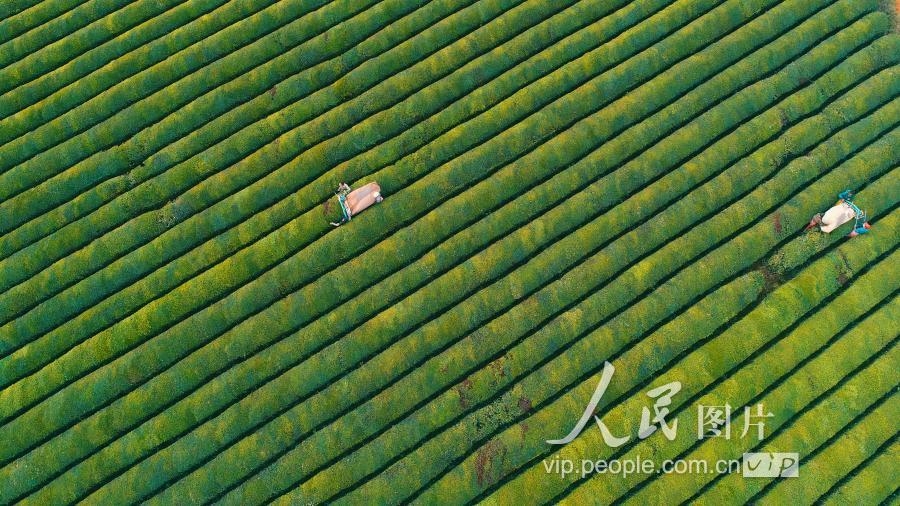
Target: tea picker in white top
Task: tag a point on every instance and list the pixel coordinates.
(842, 212)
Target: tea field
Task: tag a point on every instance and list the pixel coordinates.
(567, 184)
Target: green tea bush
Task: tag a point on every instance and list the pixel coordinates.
(78, 129)
(13, 23)
(47, 57)
(538, 65)
(696, 322)
(697, 277)
(566, 183)
(95, 62)
(866, 484)
(831, 329)
(854, 445)
(49, 313)
(240, 125)
(703, 366)
(288, 351)
(869, 390)
(166, 350)
(244, 100)
(713, 22)
(17, 46)
(277, 245)
(160, 313)
(40, 255)
(369, 336)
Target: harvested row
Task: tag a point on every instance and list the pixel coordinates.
(846, 449)
(832, 331)
(254, 412)
(522, 210)
(781, 309)
(149, 96)
(446, 185)
(344, 116)
(47, 57)
(638, 278)
(151, 32)
(866, 484)
(53, 30)
(874, 384)
(463, 317)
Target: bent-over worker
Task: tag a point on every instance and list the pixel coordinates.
(842, 212)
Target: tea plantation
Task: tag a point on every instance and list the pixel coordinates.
(567, 183)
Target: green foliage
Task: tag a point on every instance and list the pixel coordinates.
(462, 482)
(83, 128)
(133, 234)
(46, 57)
(421, 343)
(12, 24)
(867, 485)
(567, 182)
(854, 444)
(705, 365)
(829, 415)
(139, 47)
(277, 245)
(827, 341)
(18, 41)
(495, 298)
(219, 218)
(227, 274)
(479, 387)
